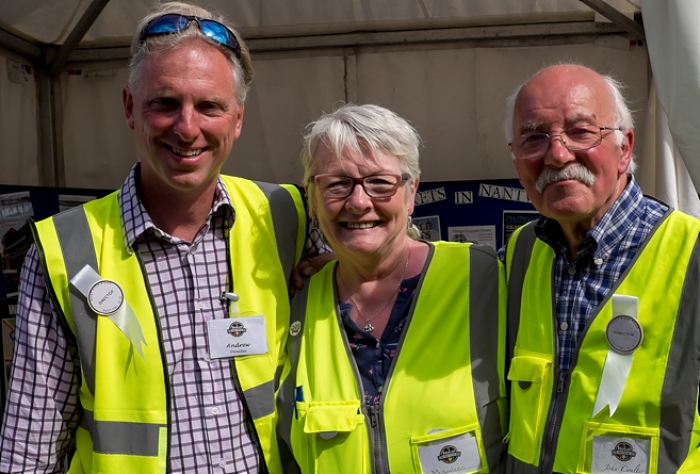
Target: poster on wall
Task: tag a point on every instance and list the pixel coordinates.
(483, 211)
(429, 227)
(514, 219)
(476, 234)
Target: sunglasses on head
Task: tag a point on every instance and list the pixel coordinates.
(174, 22)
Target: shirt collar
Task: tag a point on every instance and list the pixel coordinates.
(621, 216)
(136, 221)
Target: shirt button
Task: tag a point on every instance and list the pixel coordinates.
(572, 270)
(216, 411)
(222, 463)
(564, 326)
(598, 261)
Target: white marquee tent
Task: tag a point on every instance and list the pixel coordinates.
(445, 65)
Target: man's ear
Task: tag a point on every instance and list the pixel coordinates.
(128, 101)
(626, 149)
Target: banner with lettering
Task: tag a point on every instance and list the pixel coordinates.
(485, 212)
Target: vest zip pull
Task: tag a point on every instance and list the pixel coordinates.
(375, 438)
(554, 421)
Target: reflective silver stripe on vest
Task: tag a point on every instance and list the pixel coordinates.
(484, 306)
(76, 246)
(109, 437)
(285, 397)
(678, 409)
(521, 260)
(261, 399)
(285, 219)
(118, 437)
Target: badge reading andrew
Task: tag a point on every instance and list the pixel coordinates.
(233, 337)
(624, 334)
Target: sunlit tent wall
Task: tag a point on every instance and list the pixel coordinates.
(445, 65)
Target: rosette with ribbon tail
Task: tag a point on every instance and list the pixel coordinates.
(624, 335)
(106, 298)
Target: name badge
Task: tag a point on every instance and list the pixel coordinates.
(448, 455)
(612, 454)
(236, 337)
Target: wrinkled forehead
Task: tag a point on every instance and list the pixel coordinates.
(563, 101)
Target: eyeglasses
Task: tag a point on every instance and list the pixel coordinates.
(174, 22)
(535, 144)
(376, 186)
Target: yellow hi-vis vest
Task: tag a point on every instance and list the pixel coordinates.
(552, 424)
(126, 423)
(445, 388)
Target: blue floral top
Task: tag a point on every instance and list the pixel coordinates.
(374, 357)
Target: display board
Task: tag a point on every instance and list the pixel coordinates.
(485, 212)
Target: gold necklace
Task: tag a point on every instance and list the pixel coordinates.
(368, 327)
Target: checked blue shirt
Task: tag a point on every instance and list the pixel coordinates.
(605, 252)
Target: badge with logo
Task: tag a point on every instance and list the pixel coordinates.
(624, 334)
(295, 328)
(234, 337)
(236, 329)
(611, 454)
(448, 455)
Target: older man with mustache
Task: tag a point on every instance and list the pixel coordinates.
(604, 318)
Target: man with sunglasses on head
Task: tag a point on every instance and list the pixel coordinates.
(603, 318)
(151, 323)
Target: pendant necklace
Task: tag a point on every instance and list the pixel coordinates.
(368, 327)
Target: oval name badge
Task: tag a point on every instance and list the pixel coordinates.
(105, 297)
(624, 334)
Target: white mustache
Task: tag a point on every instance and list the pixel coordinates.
(574, 171)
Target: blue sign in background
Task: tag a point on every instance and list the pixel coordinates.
(501, 203)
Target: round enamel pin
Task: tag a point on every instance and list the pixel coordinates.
(105, 297)
(624, 334)
(295, 328)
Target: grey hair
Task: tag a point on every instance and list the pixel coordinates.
(623, 114)
(242, 69)
(363, 128)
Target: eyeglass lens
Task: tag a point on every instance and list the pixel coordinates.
(374, 186)
(576, 139)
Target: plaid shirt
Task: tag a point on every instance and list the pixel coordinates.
(603, 255)
(209, 430)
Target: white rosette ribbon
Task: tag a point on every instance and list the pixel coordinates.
(618, 364)
(106, 298)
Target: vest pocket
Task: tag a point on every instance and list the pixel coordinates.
(610, 447)
(530, 388)
(337, 437)
(454, 450)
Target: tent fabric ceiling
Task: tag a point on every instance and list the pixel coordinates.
(445, 65)
(50, 21)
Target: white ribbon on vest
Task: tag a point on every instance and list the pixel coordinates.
(617, 366)
(122, 315)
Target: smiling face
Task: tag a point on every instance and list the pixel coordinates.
(557, 99)
(359, 226)
(185, 117)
